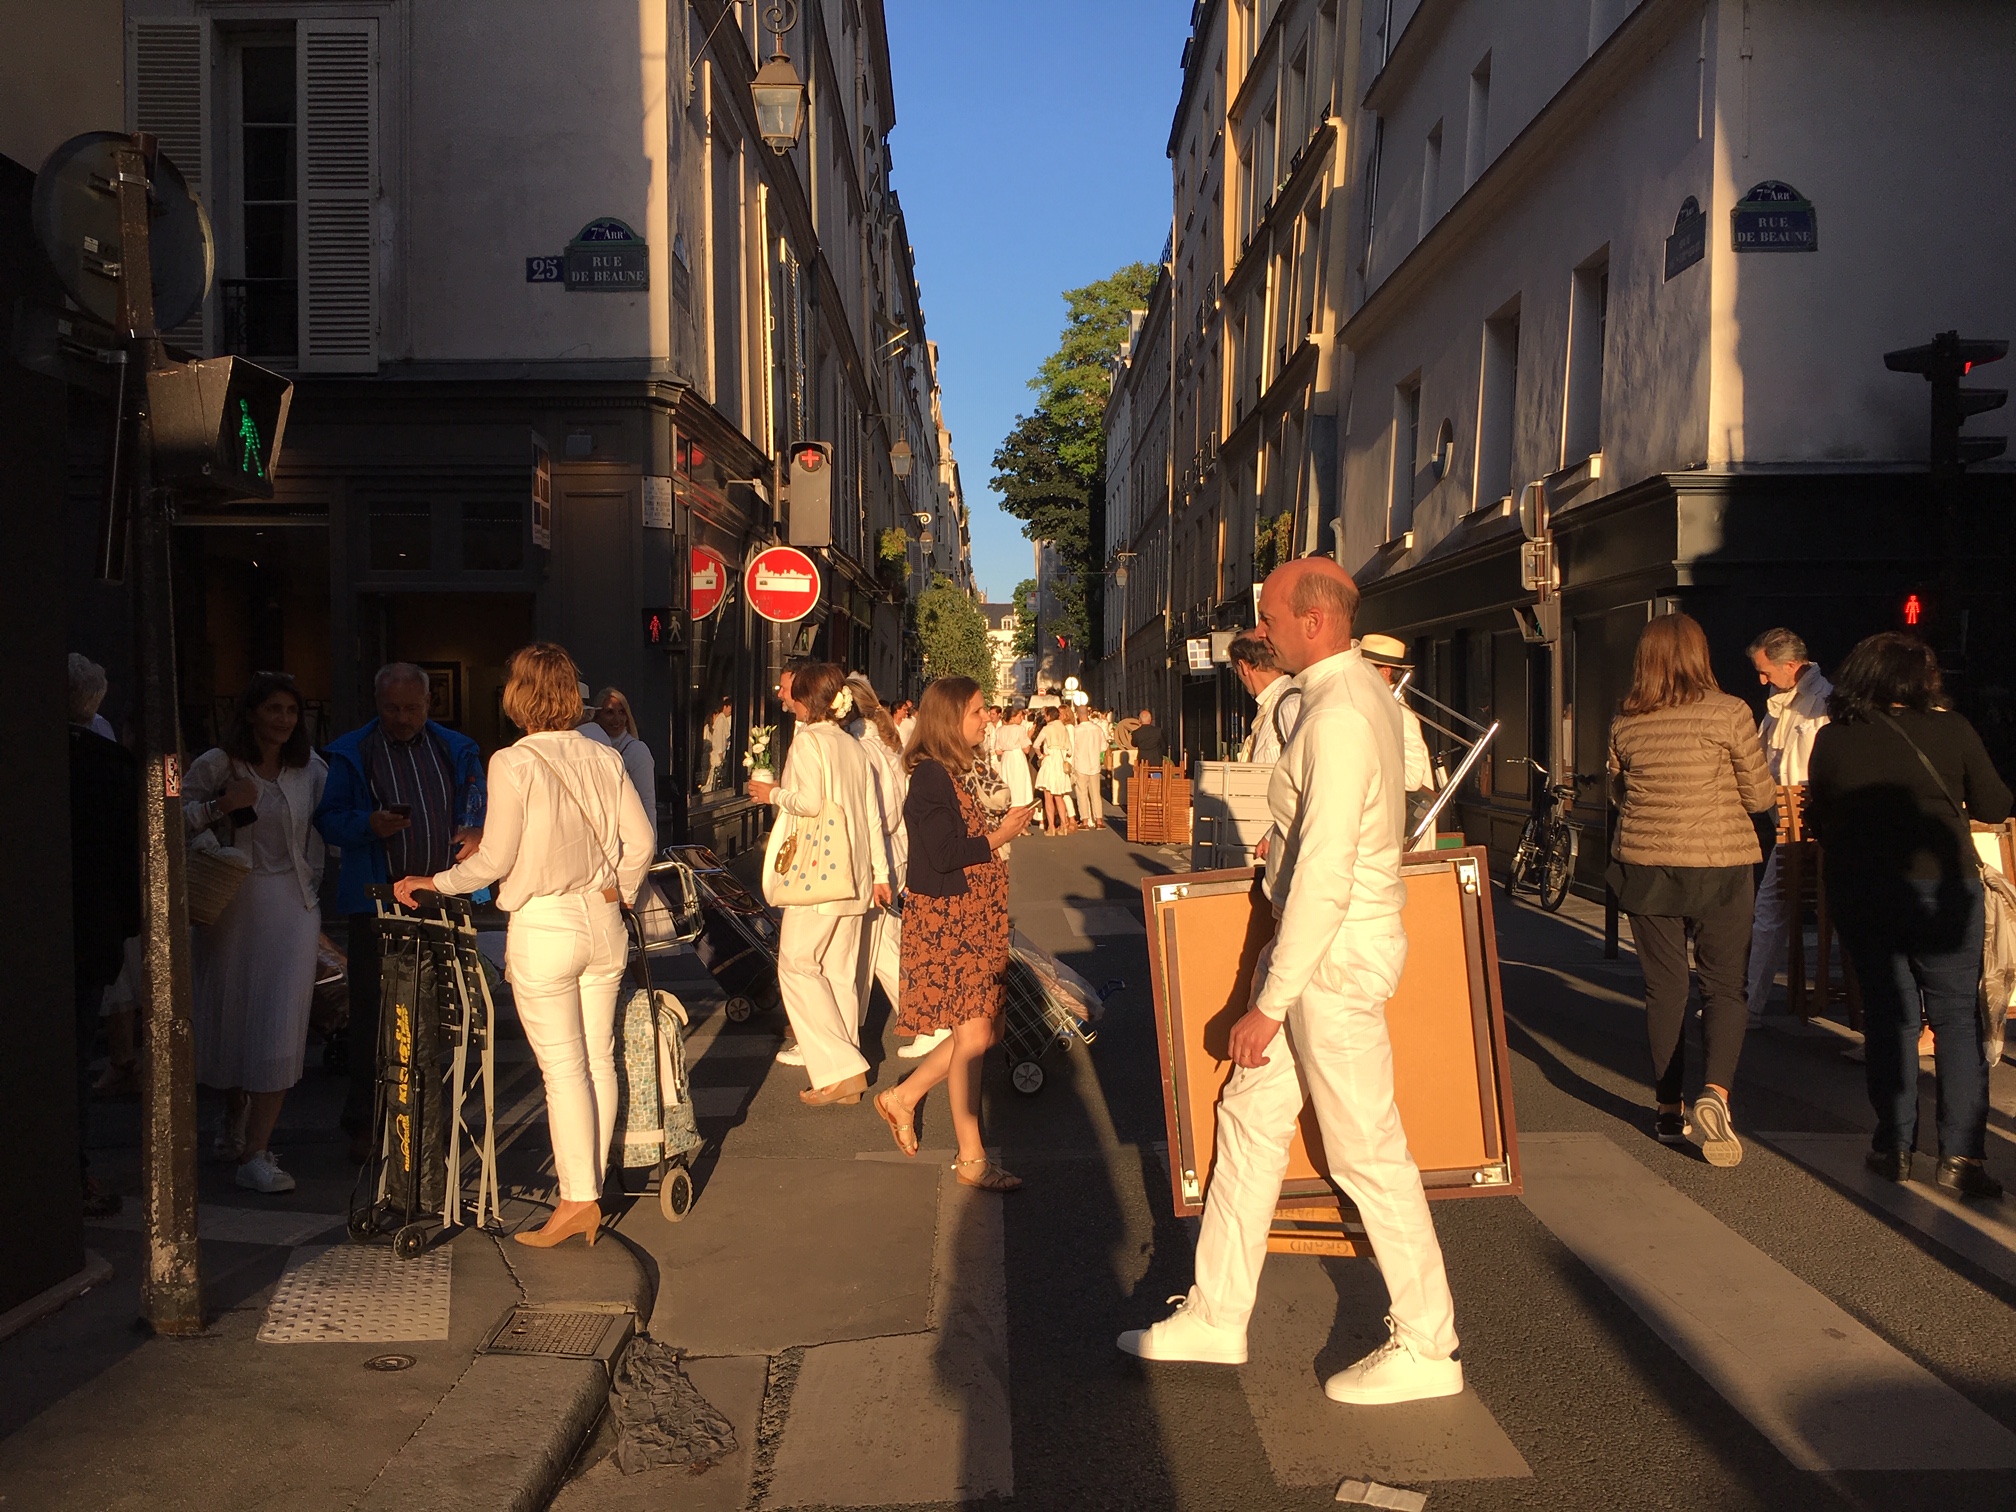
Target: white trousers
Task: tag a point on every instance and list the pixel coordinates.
(1085, 791)
(1333, 1052)
(1770, 935)
(818, 960)
(881, 961)
(565, 958)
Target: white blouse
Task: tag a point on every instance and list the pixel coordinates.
(536, 837)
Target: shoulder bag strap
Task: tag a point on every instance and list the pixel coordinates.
(1926, 762)
(582, 809)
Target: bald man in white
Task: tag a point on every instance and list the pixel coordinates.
(1316, 1030)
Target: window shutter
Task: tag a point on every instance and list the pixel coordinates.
(338, 63)
(168, 66)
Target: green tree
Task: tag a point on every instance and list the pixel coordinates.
(952, 635)
(1051, 469)
(1025, 617)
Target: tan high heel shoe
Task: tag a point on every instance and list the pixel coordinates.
(585, 1221)
(848, 1091)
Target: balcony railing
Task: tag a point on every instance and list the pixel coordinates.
(261, 317)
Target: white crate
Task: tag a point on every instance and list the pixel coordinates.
(1229, 806)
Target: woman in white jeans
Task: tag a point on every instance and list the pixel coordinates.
(819, 944)
(567, 841)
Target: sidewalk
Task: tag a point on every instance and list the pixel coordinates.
(392, 1406)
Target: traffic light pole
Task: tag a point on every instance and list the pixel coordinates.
(171, 1289)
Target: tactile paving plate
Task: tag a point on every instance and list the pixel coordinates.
(359, 1294)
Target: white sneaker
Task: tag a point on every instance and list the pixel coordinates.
(791, 1055)
(1394, 1373)
(262, 1173)
(923, 1045)
(1185, 1335)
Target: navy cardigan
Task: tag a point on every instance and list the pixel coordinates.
(940, 848)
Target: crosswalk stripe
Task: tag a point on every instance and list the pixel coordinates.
(1825, 1390)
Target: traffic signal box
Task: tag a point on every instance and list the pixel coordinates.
(217, 425)
(1943, 362)
(810, 493)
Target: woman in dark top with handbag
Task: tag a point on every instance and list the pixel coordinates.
(955, 921)
(1892, 783)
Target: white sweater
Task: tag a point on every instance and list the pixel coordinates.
(825, 761)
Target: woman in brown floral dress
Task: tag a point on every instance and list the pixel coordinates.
(955, 920)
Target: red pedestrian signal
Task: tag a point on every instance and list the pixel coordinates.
(1914, 610)
(810, 458)
(658, 629)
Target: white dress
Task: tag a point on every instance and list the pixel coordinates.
(1012, 762)
(1053, 747)
(254, 969)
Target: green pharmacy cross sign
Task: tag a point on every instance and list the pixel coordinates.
(607, 257)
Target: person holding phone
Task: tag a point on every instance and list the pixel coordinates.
(955, 921)
(254, 968)
(406, 798)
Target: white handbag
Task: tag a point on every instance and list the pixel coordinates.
(809, 861)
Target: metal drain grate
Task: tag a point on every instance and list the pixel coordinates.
(359, 1294)
(572, 1331)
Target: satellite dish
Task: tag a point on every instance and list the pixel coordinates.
(76, 217)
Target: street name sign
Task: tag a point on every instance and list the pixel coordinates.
(607, 257)
(782, 583)
(1774, 217)
(1689, 242)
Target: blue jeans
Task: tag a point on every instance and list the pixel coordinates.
(1926, 956)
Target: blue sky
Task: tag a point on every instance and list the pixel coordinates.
(1029, 155)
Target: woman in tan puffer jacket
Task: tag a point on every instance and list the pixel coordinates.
(1688, 771)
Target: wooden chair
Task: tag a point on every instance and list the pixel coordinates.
(1802, 875)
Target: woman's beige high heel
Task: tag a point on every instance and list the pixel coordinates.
(585, 1221)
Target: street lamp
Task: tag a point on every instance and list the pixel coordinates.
(1121, 559)
(899, 459)
(778, 91)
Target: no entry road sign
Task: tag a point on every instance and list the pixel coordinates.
(782, 583)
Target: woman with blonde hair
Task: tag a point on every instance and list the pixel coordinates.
(567, 842)
(819, 944)
(1053, 772)
(612, 715)
(955, 933)
(1688, 771)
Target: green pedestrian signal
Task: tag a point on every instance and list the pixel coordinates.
(251, 454)
(218, 425)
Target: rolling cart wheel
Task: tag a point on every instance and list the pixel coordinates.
(738, 1009)
(1027, 1077)
(675, 1194)
(410, 1241)
(363, 1227)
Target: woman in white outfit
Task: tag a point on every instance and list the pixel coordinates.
(254, 967)
(819, 944)
(615, 719)
(1053, 773)
(1011, 746)
(567, 842)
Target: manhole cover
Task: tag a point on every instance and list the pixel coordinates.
(572, 1332)
(389, 1362)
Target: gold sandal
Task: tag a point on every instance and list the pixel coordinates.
(905, 1130)
(991, 1178)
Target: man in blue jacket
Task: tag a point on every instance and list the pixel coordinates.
(405, 798)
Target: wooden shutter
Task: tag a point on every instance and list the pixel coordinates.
(338, 68)
(168, 69)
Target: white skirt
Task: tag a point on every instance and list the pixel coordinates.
(1054, 777)
(1014, 769)
(254, 984)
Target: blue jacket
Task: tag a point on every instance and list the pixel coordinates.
(347, 805)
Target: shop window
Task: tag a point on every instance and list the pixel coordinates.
(402, 535)
(1511, 699)
(493, 534)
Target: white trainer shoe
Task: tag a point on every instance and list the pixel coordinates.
(262, 1173)
(923, 1045)
(1394, 1373)
(791, 1055)
(1185, 1335)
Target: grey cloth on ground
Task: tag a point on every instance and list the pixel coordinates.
(661, 1418)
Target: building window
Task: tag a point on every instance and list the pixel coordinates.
(493, 534)
(261, 308)
(1431, 178)
(1406, 449)
(402, 535)
(1479, 122)
(1588, 326)
(1497, 405)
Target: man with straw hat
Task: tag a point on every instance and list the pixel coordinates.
(1389, 654)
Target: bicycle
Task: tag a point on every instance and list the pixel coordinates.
(1545, 857)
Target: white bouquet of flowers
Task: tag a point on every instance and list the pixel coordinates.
(756, 760)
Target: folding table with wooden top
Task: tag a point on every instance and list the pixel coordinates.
(1452, 1075)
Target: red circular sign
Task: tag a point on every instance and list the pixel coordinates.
(710, 581)
(782, 583)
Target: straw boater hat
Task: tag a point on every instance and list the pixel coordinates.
(1385, 651)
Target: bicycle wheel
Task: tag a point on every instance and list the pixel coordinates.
(1557, 869)
(1522, 859)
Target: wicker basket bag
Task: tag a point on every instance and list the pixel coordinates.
(214, 880)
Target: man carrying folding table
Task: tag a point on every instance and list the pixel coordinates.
(1317, 1026)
